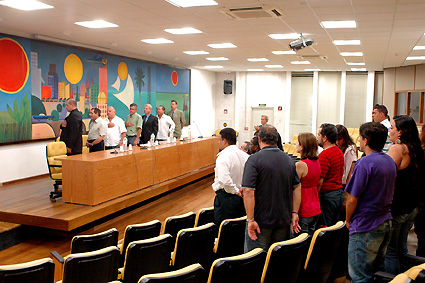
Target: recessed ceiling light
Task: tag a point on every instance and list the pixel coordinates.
(355, 64)
(339, 24)
(255, 70)
(96, 24)
(257, 59)
(214, 67)
(355, 54)
(192, 3)
(274, 66)
(311, 70)
(419, 48)
(182, 30)
(347, 42)
(25, 5)
(300, 62)
(217, 59)
(222, 45)
(416, 58)
(284, 35)
(358, 69)
(283, 52)
(200, 52)
(157, 41)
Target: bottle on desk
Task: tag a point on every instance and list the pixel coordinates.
(152, 139)
(124, 144)
(189, 134)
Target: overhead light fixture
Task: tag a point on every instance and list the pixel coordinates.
(192, 3)
(96, 24)
(257, 59)
(157, 41)
(339, 24)
(347, 42)
(25, 5)
(214, 67)
(358, 69)
(182, 30)
(217, 59)
(284, 35)
(355, 64)
(274, 66)
(416, 58)
(354, 54)
(200, 52)
(300, 62)
(255, 70)
(283, 52)
(222, 45)
(419, 48)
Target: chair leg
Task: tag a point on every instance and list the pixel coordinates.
(56, 193)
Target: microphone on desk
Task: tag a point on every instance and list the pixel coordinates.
(200, 135)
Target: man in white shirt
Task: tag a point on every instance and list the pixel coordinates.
(229, 166)
(165, 124)
(380, 115)
(116, 129)
(97, 133)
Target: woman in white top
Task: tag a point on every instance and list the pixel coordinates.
(348, 147)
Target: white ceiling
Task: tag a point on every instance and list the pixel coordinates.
(388, 30)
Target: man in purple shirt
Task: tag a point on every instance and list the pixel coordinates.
(369, 196)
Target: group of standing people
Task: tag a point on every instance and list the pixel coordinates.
(383, 189)
(110, 132)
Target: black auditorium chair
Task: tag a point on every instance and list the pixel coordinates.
(172, 225)
(194, 245)
(285, 260)
(42, 270)
(231, 238)
(191, 274)
(204, 216)
(145, 257)
(321, 254)
(245, 268)
(137, 232)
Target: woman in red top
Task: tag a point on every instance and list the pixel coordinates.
(308, 170)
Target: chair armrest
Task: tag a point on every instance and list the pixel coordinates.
(382, 277)
(57, 257)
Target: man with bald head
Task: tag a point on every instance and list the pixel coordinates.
(116, 129)
(149, 125)
(72, 129)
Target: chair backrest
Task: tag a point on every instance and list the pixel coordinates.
(286, 147)
(147, 256)
(245, 268)
(42, 270)
(285, 260)
(204, 216)
(231, 237)
(53, 151)
(194, 245)
(173, 224)
(322, 253)
(142, 231)
(294, 140)
(191, 274)
(85, 148)
(88, 243)
(96, 266)
(291, 150)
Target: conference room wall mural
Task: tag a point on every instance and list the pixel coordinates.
(36, 79)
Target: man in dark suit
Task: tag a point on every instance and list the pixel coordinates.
(149, 125)
(72, 128)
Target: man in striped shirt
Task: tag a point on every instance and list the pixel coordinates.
(380, 115)
(331, 161)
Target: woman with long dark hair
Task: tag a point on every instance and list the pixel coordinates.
(308, 170)
(409, 157)
(349, 148)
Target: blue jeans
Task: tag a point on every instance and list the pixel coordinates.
(330, 203)
(308, 224)
(398, 245)
(366, 251)
(266, 238)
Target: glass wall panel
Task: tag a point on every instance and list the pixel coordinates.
(301, 104)
(415, 98)
(402, 102)
(355, 100)
(328, 104)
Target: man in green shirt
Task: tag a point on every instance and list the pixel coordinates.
(133, 123)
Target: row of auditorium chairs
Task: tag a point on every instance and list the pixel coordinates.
(303, 259)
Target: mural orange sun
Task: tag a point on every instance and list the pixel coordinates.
(14, 66)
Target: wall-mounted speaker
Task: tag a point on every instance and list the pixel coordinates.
(228, 84)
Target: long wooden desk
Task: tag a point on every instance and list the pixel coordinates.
(97, 177)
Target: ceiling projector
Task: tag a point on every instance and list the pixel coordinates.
(300, 43)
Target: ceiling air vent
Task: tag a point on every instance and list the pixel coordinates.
(312, 57)
(265, 11)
